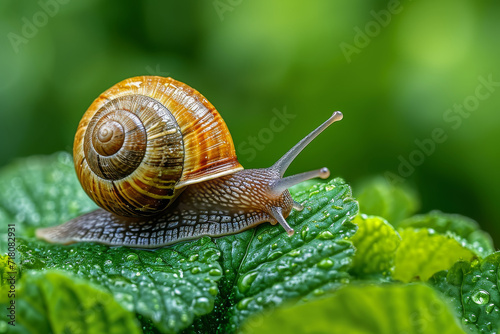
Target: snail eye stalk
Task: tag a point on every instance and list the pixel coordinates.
(282, 164)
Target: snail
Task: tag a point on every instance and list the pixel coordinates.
(159, 160)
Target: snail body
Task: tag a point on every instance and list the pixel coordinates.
(158, 159)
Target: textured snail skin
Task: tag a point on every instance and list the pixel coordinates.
(226, 205)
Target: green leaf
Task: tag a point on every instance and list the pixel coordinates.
(388, 309)
(54, 302)
(40, 191)
(169, 286)
(465, 230)
(376, 242)
(266, 268)
(378, 197)
(473, 289)
(423, 252)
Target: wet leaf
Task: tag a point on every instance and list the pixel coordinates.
(169, 286)
(473, 289)
(423, 252)
(465, 230)
(388, 309)
(55, 302)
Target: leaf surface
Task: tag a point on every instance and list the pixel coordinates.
(465, 230)
(216, 283)
(423, 252)
(473, 289)
(376, 243)
(388, 309)
(55, 302)
(169, 286)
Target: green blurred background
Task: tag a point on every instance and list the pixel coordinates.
(394, 68)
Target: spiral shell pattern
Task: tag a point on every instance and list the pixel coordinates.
(144, 139)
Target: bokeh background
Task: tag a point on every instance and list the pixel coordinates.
(399, 71)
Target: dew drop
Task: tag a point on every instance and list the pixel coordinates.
(489, 308)
(243, 304)
(476, 278)
(325, 263)
(213, 290)
(274, 255)
(274, 246)
(318, 292)
(304, 231)
(193, 258)
(326, 235)
(294, 252)
(313, 193)
(481, 297)
(195, 270)
(208, 255)
(131, 257)
(203, 302)
(473, 317)
(246, 281)
(215, 272)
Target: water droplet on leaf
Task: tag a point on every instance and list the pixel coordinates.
(481, 297)
(131, 257)
(489, 308)
(274, 255)
(245, 282)
(215, 272)
(294, 252)
(243, 304)
(325, 263)
(326, 235)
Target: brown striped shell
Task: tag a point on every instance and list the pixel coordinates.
(146, 138)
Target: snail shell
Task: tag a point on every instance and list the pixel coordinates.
(146, 138)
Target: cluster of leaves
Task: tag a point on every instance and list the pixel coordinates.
(342, 271)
